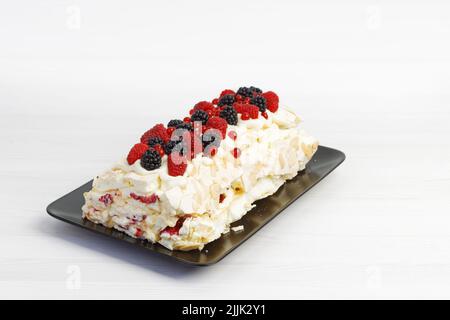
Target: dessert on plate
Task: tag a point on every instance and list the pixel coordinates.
(184, 183)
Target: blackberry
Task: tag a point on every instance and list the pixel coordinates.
(228, 113)
(245, 92)
(151, 160)
(255, 90)
(169, 146)
(174, 123)
(154, 141)
(185, 126)
(200, 115)
(260, 102)
(226, 100)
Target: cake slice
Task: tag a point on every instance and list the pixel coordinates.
(185, 183)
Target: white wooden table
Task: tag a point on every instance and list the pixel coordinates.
(80, 82)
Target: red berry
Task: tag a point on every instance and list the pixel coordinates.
(226, 91)
(176, 228)
(238, 98)
(145, 199)
(106, 199)
(219, 124)
(136, 152)
(236, 152)
(138, 233)
(157, 131)
(272, 100)
(191, 112)
(187, 119)
(232, 134)
(176, 164)
(204, 105)
(215, 101)
(265, 115)
(221, 197)
(245, 116)
(170, 130)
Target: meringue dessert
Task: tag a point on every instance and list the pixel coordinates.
(183, 184)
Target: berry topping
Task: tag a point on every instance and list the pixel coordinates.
(145, 199)
(251, 110)
(272, 100)
(136, 152)
(204, 105)
(200, 115)
(230, 115)
(169, 146)
(155, 141)
(226, 100)
(233, 135)
(245, 92)
(219, 124)
(106, 199)
(222, 197)
(255, 90)
(236, 152)
(260, 102)
(157, 131)
(174, 123)
(226, 92)
(151, 160)
(185, 126)
(138, 233)
(215, 101)
(176, 164)
(245, 116)
(265, 115)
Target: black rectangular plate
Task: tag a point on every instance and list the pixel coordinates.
(68, 209)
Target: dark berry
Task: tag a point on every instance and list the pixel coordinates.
(260, 102)
(151, 160)
(172, 146)
(229, 114)
(185, 126)
(154, 141)
(200, 115)
(255, 90)
(174, 123)
(245, 92)
(226, 100)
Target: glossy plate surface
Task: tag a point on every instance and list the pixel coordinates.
(68, 209)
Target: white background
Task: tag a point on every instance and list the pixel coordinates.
(81, 80)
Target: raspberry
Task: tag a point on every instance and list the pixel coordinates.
(136, 152)
(187, 119)
(106, 199)
(219, 124)
(272, 100)
(229, 114)
(265, 115)
(260, 102)
(157, 131)
(151, 160)
(174, 123)
(176, 164)
(226, 100)
(215, 101)
(145, 199)
(176, 228)
(251, 110)
(245, 116)
(204, 105)
(227, 91)
(200, 115)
